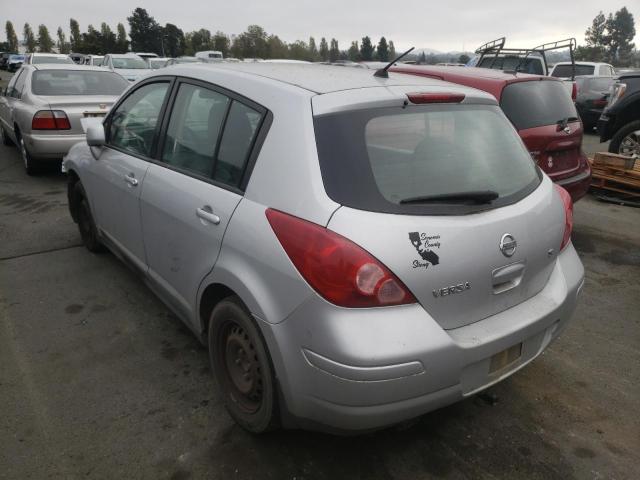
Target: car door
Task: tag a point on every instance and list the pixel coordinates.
(192, 190)
(10, 102)
(119, 171)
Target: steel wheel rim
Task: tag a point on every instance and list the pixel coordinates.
(630, 145)
(241, 365)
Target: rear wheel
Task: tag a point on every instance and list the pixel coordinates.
(626, 141)
(30, 165)
(242, 366)
(86, 225)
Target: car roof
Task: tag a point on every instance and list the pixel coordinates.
(44, 54)
(67, 66)
(590, 64)
(315, 78)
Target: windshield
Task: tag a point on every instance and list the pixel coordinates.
(537, 103)
(76, 82)
(129, 63)
(566, 71)
(37, 59)
(384, 159)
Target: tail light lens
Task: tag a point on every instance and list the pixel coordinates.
(338, 269)
(617, 91)
(568, 215)
(574, 91)
(50, 120)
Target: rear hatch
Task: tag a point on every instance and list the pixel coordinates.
(546, 119)
(433, 191)
(78, 93)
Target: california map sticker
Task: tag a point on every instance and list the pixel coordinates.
(425, 245)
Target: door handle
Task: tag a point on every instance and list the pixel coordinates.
(131, 180)
(206, 214)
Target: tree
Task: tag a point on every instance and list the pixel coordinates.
(463, 58)
(324, 50)
(422, 59)
(75, 39)
(145, 33)
(382, 51)
(594, 36)
(174, 41)
(334, 51)
(12, 38)
(91, 42)
(354, 52)
(122, 44)
(299, 50)
(276, 48)
(29, 38)
(392, 50)
(45, 43)
(620, 32)
(63, 46)
(313, 50)
(109, 40)
(221, 43)
(366, 49)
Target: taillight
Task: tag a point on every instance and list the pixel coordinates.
(423, 97)
(574, 91)
(338, 269)
(617, 91)
(568, 215)
(50, 120)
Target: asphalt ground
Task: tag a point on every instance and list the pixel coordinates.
(99, 380)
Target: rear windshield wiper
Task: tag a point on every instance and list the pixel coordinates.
(475, 197)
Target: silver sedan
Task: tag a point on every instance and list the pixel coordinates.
(43, 108)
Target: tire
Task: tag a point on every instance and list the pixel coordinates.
(86, 225)
(622, 141)
(242, 367)
(30, 164)
(5, 138)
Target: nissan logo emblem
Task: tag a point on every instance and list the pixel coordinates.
(508, 245)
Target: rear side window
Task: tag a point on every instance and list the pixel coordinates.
(77, 82)
(566, 71)
(537, 103)
(133, 124)
(378, 160)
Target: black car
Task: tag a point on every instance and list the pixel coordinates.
(592, 97)
(4, 59)
(620, 120)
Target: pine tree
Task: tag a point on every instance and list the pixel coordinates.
(382, 52)
(45, 43)
(392, 50)
(122, 44)
(354, 52)
(29, 38)
(75, 39)
(313, 50)
(366, 49)
(324, 50)
(334, 51)
(63, 46)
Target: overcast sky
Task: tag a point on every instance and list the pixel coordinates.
(444, 25)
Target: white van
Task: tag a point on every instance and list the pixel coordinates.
(210, 55)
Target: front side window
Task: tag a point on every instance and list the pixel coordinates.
(194, 128)
(133, 124)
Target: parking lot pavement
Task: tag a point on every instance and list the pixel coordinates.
(99, 380)
(591, 144)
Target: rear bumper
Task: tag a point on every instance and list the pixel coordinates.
(362, 369)
(51, 146)
(578, 185)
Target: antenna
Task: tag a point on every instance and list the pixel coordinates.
(382, 73)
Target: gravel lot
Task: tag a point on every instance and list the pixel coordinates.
(99, 380)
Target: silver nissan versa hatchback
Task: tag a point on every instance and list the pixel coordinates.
(355, 250)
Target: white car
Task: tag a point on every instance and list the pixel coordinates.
(39, 58)
(130, 66)
(564, 70)
(210, 55)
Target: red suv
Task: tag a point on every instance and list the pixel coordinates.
(540, 109)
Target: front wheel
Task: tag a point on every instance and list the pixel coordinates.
(626, 141)
(242, 366)
(86, 225)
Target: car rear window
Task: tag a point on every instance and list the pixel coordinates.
(374, 159)
(537, 103)
(566, 71)
(77, 82)
(38, 59)
(532, 65)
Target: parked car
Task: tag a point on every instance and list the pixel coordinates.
(15, 62)
(157, 62)
(94, 60)
(78, 58)
(593, 95)
(350, 262)
(542, 112)
(184, 59)
(44, 106)
(130, 66)
(4, 60)
(210, 56)
(620, 120)
(567, 70)
(39, 58)
(146, 56)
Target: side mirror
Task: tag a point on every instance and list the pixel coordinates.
(95, 135)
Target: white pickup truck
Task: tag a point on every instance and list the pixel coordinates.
(565, 71)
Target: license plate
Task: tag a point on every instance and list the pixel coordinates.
(505, 358)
